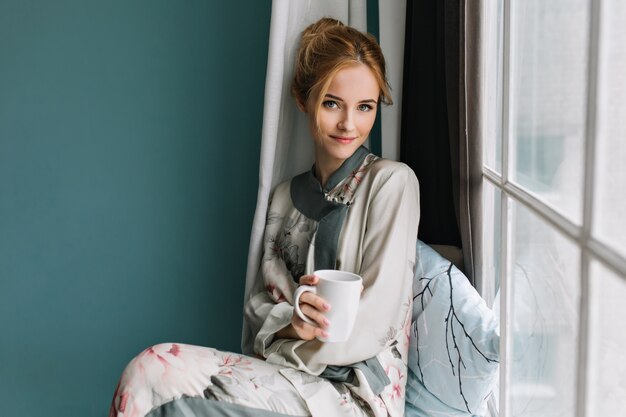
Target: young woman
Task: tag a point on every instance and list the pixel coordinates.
(354, 212)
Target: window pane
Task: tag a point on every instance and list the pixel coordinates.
(607, 338)
(544, 310)
(492, 149)
(610, 203)
(548, 92)
(489, 282)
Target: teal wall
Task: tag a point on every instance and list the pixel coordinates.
(129, 144)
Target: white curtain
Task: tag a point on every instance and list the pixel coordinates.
(286, 147)
(392, 21)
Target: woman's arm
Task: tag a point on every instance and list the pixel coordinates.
(269, 311)
(378, 241)
(389, 225)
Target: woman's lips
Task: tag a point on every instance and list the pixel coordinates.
(343, 139)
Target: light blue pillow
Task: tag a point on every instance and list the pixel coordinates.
(454, 351)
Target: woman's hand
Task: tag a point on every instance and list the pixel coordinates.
(313, 307)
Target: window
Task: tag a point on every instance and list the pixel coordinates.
(555, 209)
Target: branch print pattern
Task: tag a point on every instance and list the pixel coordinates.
(455, 330)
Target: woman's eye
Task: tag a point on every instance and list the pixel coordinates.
(364, 107)
(330, 104)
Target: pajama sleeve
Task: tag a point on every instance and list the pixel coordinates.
(377, 241)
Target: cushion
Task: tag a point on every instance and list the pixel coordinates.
(454, 350)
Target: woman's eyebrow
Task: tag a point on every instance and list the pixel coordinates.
(369, 100)
(334, 97)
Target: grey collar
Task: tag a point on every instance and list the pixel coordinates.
(309, 198)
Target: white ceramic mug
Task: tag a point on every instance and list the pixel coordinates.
(342, 290)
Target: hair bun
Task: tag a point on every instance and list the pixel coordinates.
(326, 47)
(321, 26)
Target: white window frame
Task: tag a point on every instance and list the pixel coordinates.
(590, 248)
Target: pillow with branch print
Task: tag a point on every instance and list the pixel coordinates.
(454, 352)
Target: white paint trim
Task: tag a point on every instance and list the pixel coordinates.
(505, 298)
(588, 199)
(606, 255)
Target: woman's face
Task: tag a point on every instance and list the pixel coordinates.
(346, 115)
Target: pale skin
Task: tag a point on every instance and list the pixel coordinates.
(345, 119)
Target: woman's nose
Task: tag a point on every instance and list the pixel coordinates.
(347, 122)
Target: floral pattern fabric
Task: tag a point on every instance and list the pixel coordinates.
(281, 376)
(377, 241)
(170, 371)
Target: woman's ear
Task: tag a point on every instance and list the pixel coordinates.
(301, 105)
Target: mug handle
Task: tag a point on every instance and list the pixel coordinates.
(296, 302)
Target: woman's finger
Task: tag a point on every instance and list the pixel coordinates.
(308, 280)
(315, 315)
(306, 331)
(314, 300)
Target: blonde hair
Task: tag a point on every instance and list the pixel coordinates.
(326, 47)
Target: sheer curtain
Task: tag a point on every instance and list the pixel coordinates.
(286, 148)
(392, 18)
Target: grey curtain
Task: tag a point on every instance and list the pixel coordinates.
(469, 140)
(441, 125)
